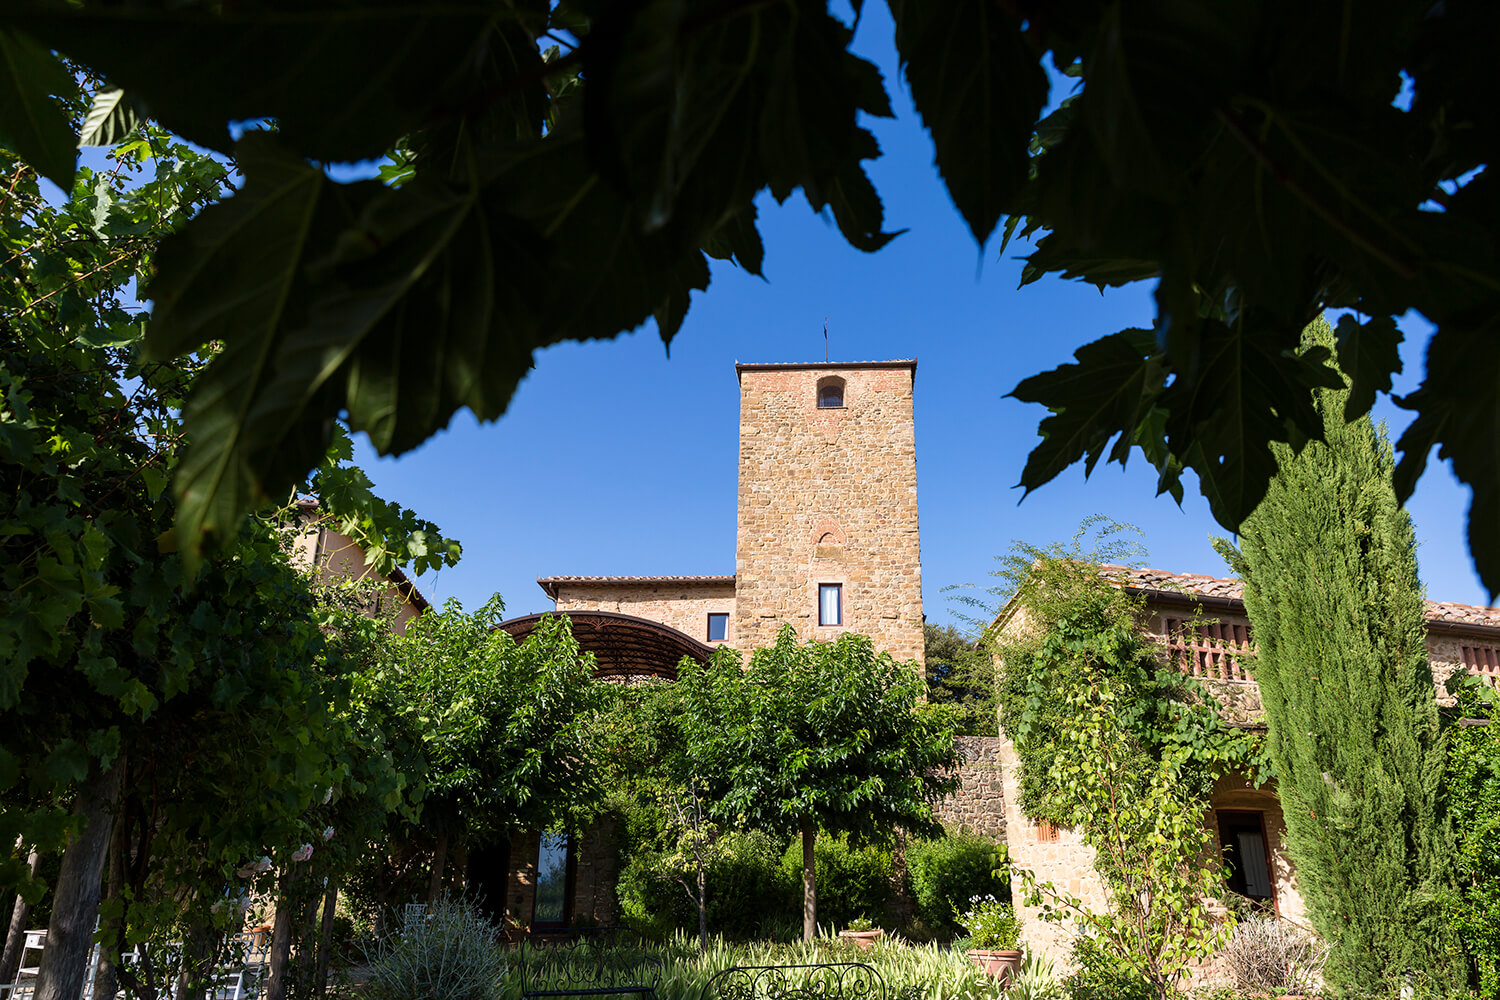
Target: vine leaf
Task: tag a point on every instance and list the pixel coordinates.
(111, 118)
(979, 88)
(1106, 392)
(1369, 355)
(337, 77)
(29, 118)
(231, 276)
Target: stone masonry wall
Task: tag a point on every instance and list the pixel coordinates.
(828, 496)
(979, 803)
(1054, 855)
(684, 606)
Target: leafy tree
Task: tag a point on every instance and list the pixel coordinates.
(1199, 142)
(961, 673)
(124, 680)
(1330, 569)
(811, 736)
(502, 724)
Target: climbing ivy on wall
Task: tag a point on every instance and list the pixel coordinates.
(1114, 744)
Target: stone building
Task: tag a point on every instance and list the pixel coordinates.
(1204, 631)
(826, 541)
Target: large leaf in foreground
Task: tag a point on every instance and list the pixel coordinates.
(29, 118)
(978, 86)
(231, 277)
(342, 80)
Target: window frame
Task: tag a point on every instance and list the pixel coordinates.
(838, 589)
(826, 383)
(570, 877)
(724, 617)
(1241, 819)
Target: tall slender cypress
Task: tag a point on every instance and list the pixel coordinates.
(1330, 570)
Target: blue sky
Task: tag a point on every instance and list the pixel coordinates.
(615, 459)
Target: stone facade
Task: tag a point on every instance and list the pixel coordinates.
(979, 803)
(1201, 624)
(828, 495)
(336, 557)
(684, 604)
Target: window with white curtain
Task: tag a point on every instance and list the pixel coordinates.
(830, 604)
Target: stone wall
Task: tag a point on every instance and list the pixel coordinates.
(979, 803)
(683, 605)
(1054, 855)
(596, 871)
(828, 495)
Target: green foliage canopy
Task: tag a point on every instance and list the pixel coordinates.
(577, 192)
(961, 673)
(502, 723)
(829, 731)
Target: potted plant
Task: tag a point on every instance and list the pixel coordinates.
(994, 931)
(863, 932)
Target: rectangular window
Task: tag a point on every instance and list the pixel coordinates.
(1247, 859)
(830, 604)
(718, 627)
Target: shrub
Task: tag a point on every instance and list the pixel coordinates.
(1098, 977)
(452, 954)
(851, 880)
(1268, 955)
(749, 891)
(991, 924)
(946, 872)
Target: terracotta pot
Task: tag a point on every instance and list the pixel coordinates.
(864, 939)
(1001, 965)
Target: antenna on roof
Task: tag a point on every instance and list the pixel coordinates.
(825, 339)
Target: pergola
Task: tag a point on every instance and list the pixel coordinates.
(623, 645)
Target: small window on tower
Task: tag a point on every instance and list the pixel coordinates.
(830, 392)
(718, 627)
(830, 604)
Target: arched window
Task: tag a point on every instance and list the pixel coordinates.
(830, 392)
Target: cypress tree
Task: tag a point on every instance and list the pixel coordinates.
(1331, 588)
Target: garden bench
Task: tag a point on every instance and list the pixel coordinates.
(826, 981)
(586, 967)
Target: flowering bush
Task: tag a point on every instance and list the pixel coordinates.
(991, 924)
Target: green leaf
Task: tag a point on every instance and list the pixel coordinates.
(343, 81)
(29, 117)
(111, 118)
(1107, 392)
(979, 87)
(232, 274)
(1369, 354)
(1458, 409)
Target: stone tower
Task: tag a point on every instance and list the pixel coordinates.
(827, 537)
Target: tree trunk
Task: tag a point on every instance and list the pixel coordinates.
(307, 938)
(15, 937)
(281, 938)
(702, 906)
(75, 904)
(106, 983)
(197, 962)
(325, 939)
(809, 881)
(439, 857)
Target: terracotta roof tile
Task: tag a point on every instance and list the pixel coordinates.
(1231, 589)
